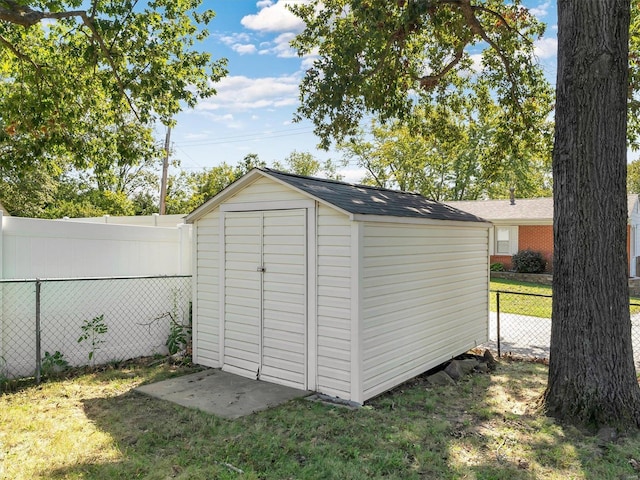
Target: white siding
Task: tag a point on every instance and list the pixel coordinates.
(424, 299)
(265, 190)
(207, 263)
(334, 303)
(206, 311)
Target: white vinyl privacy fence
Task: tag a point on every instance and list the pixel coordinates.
(119, 318)
(75, 293)
(36, 248)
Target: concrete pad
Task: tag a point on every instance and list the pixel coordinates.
(221, 393)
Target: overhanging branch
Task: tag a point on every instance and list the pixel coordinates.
(23, 15)
(427, 82)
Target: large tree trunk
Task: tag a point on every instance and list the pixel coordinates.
(592, 377)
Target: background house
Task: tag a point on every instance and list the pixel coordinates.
(527, 224)
(342, 289)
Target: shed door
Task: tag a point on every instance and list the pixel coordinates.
(265, 295)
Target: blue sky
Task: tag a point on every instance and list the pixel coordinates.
(254, 107)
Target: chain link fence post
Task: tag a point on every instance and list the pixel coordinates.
(38, 332)
(498, 320)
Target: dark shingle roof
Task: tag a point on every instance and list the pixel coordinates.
(366, 200)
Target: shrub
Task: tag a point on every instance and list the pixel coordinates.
(497, 267)
(528, 261)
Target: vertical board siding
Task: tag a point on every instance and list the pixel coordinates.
(333, 303)
(207, 305)
(424, 299)
(284, 358)
(242, 295)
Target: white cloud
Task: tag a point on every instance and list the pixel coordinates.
(307, 62)
(273, 17)
(235, 38)
(542, 10)
(352, 174)
(546, 48)
(244, 49)
(280, 46)
(476, 62)
(240, 93)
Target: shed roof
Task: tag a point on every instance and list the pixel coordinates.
(368, 200)
(532, 209)
(352, 198)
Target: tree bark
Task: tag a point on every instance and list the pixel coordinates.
(592, 378)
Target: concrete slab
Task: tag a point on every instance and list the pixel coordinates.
(221, 393)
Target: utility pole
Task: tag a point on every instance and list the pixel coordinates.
(165, 167)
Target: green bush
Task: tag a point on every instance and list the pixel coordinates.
(497, 267)
(528, 261)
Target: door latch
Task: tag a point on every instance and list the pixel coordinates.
(261, 269)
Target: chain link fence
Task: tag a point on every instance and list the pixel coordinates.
(520, 323)
(48, 325)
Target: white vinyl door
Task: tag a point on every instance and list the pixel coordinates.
(284, 298)
(242, 292)
(265, 295)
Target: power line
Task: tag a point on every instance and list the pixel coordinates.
(244, 138)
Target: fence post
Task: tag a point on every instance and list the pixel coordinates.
(1, 292)
(498, 319)
(1, 235)
(38, 353)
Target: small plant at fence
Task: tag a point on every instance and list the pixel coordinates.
(177, 339)
(497, 267)
(528, 261)
(179, 334)
(4, 374)
(93, 330)
(54, 364)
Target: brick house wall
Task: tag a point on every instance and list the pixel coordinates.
(505, 260)
(539, 238)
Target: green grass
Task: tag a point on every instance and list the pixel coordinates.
(486, 427)
(529, 305)
(521, 304)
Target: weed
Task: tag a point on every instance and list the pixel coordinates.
(177, 339)
(53, 365)
(93, 330)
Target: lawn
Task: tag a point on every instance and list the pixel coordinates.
(536, 302)
(529, 304)
(93, 426)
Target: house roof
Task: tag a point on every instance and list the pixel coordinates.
(351, 198)
(528, 209)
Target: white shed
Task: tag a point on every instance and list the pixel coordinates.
(346, 290)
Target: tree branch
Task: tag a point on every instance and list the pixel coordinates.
(504, 21)
(25, 16)
(476, 27)
(12, 12)
(88, 21)
(427, 82)
(18, 53)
